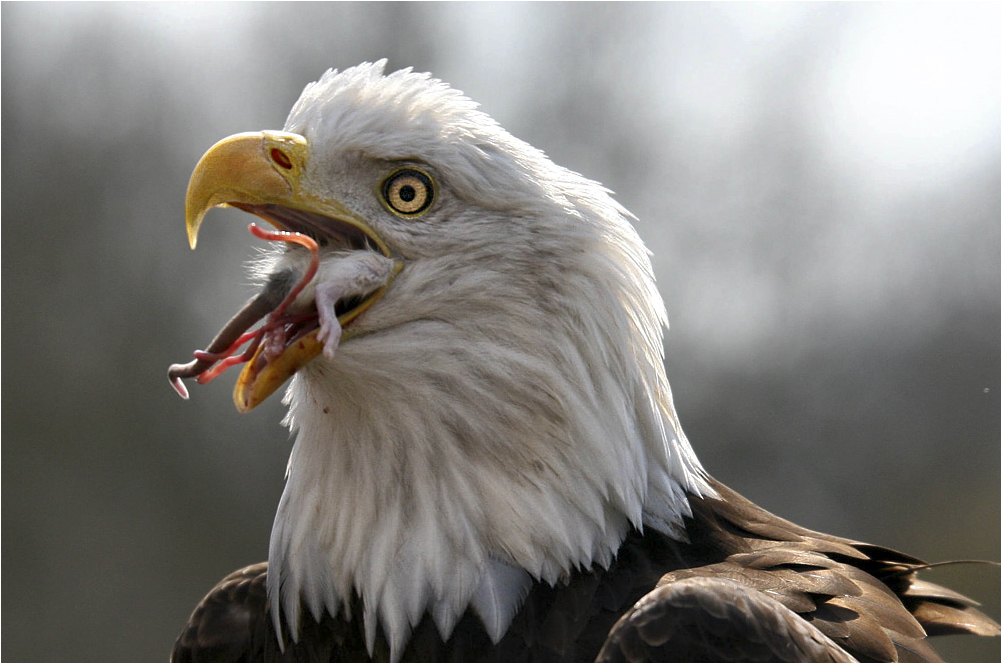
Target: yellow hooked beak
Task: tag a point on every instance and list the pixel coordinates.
(260, 172)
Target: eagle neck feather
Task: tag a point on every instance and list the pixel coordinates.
(435, 471)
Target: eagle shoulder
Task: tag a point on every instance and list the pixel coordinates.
(716, 619)
(746, 586)
(230, 623)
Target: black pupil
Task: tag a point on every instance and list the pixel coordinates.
(407, 193)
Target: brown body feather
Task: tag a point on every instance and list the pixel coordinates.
(747, 586)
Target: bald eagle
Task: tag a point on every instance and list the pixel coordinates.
(487, 462)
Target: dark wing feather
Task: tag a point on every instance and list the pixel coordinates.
(947, 619)
(866, 598)
(942, 611)
(716, 619)
(747, 586)
(227, 625)
(233, 624)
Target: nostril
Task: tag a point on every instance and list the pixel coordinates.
(281, 158)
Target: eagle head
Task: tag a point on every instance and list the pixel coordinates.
(474, 340)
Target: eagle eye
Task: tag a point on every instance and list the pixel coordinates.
(408, 192)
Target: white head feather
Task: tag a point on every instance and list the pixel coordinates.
(502, 413)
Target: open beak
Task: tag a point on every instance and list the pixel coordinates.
(260, 173)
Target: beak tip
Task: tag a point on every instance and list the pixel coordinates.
(192, 223)
(242, 399)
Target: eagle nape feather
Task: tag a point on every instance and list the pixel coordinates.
(487, 463)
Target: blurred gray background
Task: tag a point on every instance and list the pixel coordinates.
(819, 184)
